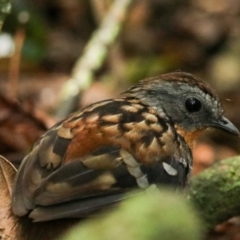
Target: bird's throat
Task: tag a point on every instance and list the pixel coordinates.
(189, 136)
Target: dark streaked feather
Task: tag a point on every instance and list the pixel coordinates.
(77, 208)
(157, 174)
(75, 181)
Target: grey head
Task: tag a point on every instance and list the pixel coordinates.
(185, 99)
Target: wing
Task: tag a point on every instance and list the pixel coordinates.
(92, 158)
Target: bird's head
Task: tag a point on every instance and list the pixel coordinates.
(186, 100)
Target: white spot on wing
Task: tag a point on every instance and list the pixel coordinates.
(142, 182)
(134, 169)
(169, 169)
(128, 159)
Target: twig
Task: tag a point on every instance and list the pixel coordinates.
(14, 64)
(15, 61)
(94, 54)
(100, 8)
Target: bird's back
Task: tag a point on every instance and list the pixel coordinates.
(94, 156)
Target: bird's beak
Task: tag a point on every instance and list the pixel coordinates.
(225, 125)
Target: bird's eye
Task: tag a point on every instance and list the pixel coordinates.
(192, 104)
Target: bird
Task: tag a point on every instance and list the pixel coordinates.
(96, 156)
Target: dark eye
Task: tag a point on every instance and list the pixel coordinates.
(192, 104)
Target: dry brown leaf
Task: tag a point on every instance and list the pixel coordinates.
(7, 174)
(12, 227)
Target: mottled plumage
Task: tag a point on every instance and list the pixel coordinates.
(96, 155)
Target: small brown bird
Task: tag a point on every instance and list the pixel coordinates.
(94, 156)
